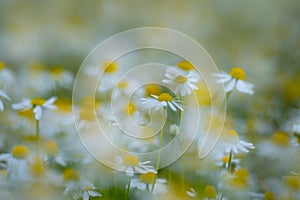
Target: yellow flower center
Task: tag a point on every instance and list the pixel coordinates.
(110, 67)
(185, 65)
(63, 104)
(51, 148)
(165, 97)
(152, 89)
(131, 108)
(233, 136)
(280, 138)
(130, 161)
(3, 172)
(180, 79)
(20, 152)
(122, 84)
(37, 167)
(238, 73)
(269, 196)
(147, 178)
(70, 174)
(225, 159)
(57, 70)
(241, 178)
(2, 65)
(210, 192)
(89, 188)
(292, 182)
(38, 101)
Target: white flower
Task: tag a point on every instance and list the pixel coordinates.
(184, 82)
(60, 77)
(17, 163)
(81, 189)
(5, 96)
(145, 181)
(6, 77)
(191, 192)
(174, 129)
(162, 101)
(236, 77)
(223, 160)
(37, 104)
(296, 128)
(234, 144)
(131, 164)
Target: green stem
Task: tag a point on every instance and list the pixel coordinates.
(128, 188)
(37, 132)
(229, 161)
(160, 146)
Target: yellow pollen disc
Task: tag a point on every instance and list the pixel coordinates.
(89, 188)
(184, 65)
(292, 182)
(147, 178)
(269, 196)
(38, 101)
(110, 67)
(280, 138)
(131, 108)
(57, 70)
(20, 152)
(2, 65)
(37, 167)
(180, 79)
(28, 113)
(210, 192)
(152, 89)
(70, 174)
(233, 134)
(130, 161)
(51, 148)
(164, 97)
(122, 84)
(238, 73)
(225, 159)
(63, 104)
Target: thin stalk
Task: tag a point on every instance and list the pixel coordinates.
(230, 159)
(37, 132)
(128, 188)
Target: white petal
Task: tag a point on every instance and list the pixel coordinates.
(245, 87)
(38, 112)
(172, 106)
(94, 193)
(194, 87)
(229, 87)
(4, 95)
(25, 103)
(166, 81)
(129, 171)
(49, 102)
(242, 148)
(85, 196)
(1, 106)
(141, 186)
(234, 149)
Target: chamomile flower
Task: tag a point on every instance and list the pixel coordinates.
(223, 161)
(145, 181)
(81, 189)
(60, 77)
(191, 193)
(6, 77)
(37, 104)
(4, 96)
(17, 163)
(130, 164)
(234, 144)
(184, 83)
(236, 77)
(158, 103)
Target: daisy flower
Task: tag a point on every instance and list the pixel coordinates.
(158, 103)
(234, 144)
(17, 163)
(4, 96)
(184, 82)
(6, 77)
(131, 164)
(81, 189)
(145, 181)
(236, 77)
(60, 77)
(37, 104)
